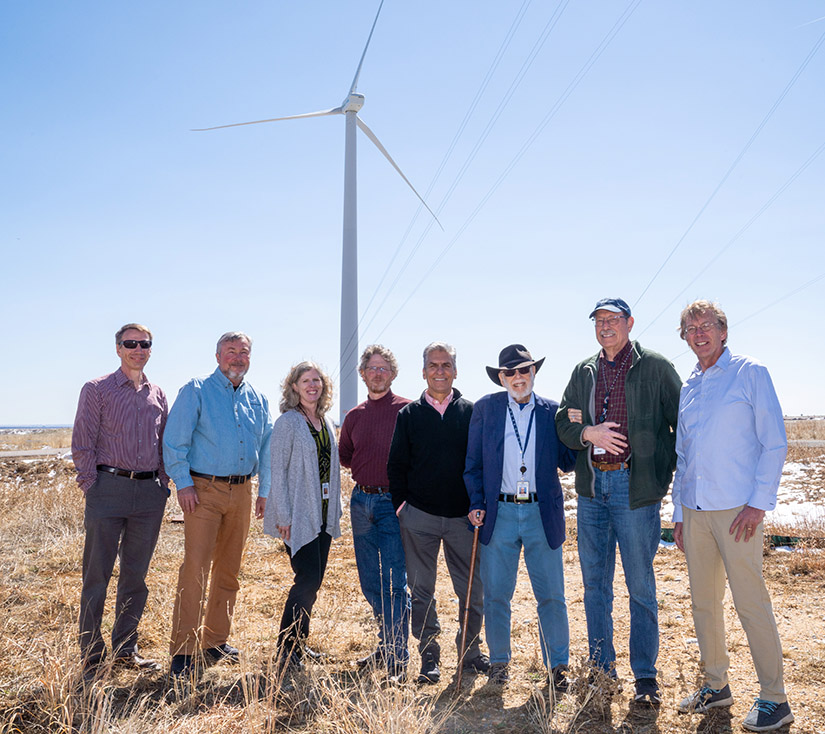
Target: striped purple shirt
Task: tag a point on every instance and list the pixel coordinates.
(119, 426)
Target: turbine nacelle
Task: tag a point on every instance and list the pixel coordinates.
(353, 102)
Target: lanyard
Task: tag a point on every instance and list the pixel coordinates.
(518, 436)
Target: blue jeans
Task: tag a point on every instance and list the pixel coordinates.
(603, 521)
(517, 527)
(379, 556)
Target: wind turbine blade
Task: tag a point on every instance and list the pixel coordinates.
(369, 38)
(371, 135)
(321, 113)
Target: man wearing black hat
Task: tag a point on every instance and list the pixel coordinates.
(620, 409)
(513, 458)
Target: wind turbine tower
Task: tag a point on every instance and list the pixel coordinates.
(350, 107)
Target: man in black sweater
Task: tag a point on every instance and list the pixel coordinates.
(425, 468)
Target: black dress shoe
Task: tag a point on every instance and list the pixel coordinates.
(181, 666)
(558, 677)
(478, 664)
(314, 655)
(429, 669)
(375, 659)
(136, 661)
(222, 652)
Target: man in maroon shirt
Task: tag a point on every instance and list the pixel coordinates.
(117, 451)
(364, 447)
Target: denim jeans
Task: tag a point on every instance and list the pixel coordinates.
(603, 521)
(517, 527)
(379, 555)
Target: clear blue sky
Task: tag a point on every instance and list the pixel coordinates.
(111, 210)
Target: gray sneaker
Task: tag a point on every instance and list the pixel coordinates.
(767, 715)
(705, 698)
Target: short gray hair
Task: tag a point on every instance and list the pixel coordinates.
(696, 309)
(381, 351)
(439, 347)
(233, 336)
(137, 327)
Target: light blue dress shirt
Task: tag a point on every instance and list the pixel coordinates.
(730, 439)
(511, 469)
(216, 429)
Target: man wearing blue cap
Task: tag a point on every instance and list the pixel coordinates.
(620, 410)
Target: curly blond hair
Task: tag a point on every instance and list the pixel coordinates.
(290, 398)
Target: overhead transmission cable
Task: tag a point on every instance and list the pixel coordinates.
(736, 161)
(781, 190)
(600, 49)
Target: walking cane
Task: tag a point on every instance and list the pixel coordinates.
(467, 608)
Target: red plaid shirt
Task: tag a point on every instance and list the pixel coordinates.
(611, 378)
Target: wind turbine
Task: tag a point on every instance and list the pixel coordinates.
(349, 260)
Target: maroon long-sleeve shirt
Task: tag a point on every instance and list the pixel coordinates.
(366, 436)
(119, 426)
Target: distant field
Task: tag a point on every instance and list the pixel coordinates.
(15, 439)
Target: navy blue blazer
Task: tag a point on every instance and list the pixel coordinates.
(485, 459)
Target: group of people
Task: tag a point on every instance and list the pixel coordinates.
(441, 472)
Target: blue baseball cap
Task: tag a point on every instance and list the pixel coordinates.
(616, 305)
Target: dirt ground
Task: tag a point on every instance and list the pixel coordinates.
(40, 551)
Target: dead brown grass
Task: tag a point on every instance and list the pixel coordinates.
(41, 539)
(39, 438)
(805, 429)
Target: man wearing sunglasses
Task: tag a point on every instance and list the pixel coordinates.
(620, 410)
(117, 451)
(217, 440)
(511, 474)
(379, 554)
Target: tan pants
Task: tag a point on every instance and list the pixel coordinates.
(215, 533)
(711, 554)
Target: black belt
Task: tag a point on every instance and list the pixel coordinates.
(231, 479)
(367, 489)
(127, 473)
(516, 500)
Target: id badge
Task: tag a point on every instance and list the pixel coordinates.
(598, 451)
(522, 489)
(325, 490)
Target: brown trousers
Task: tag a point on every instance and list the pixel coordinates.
(712, 553)
(214, 534)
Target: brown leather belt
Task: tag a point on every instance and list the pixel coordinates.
(367, 489)
(231, 479)
(611, 467)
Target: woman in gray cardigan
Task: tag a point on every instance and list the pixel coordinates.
(304, 507)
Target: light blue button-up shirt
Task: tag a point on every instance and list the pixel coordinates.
(730, 440)
(511, 470)
(215, 429)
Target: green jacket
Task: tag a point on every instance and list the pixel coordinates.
(652, 394)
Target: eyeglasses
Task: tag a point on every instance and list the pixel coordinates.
(132, 343)
(520, 370)
(378, 370)
(704, 328)
(608, 321)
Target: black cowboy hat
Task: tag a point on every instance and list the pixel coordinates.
(516, 355)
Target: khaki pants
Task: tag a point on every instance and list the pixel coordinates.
(711, 554)
(215, 533)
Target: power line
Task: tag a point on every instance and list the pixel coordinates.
(736, 162)
(742, 231)
(605, 42)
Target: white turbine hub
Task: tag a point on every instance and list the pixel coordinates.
(353, 103)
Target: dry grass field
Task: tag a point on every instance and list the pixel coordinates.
(41, 540)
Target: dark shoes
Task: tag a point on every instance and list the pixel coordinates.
(478, 664)
(181, 666)
(705, 698)
(558, 677)
(429, 669)
(314, 655)
(375, 659)
(224, 652)
(137, 662)
(767, 715)
(647, 692)
(499, 674)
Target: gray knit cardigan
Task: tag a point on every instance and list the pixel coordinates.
(295, 496)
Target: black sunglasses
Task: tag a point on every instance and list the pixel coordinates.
(132, 343)
(520, 370)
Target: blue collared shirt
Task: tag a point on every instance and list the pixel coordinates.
(216, 429)
(511, 469)
(730, 440)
